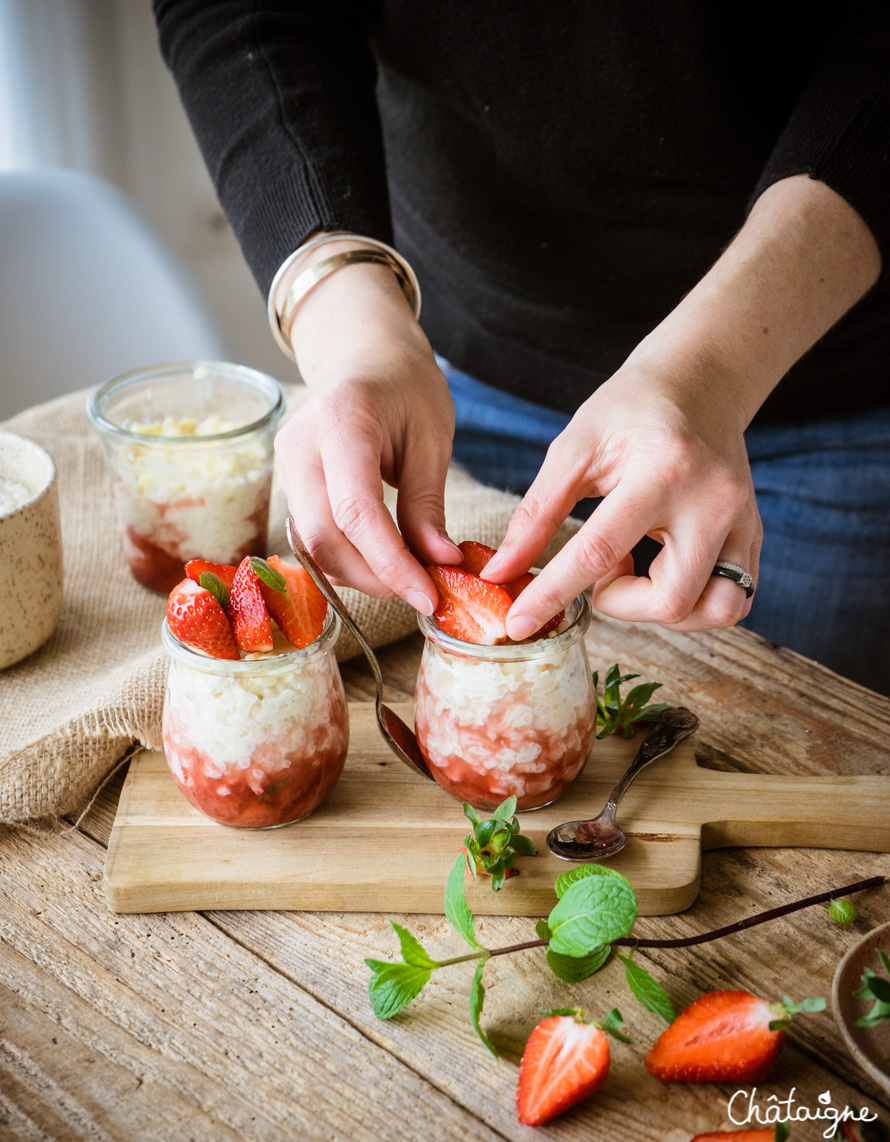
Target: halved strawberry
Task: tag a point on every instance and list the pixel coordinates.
(861, 1130)
(469, 608)
(301, 610)
(247, 611)
(762, 1135)
(198, 621)
(476, 556)
(565, 1060)
(724, 1036)
(195, 568)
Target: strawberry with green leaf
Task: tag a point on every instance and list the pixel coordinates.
(617, 715)
(493, 844)
(565, 1060)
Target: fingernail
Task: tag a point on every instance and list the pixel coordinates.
(419, 602)
(520, 627)
(447, 539)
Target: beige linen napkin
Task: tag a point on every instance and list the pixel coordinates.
(73, 708)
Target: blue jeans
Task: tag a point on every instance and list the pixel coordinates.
(823, 490)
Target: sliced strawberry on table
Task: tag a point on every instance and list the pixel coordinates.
(565, 1060)
(295, 603)
(197, 620)
(761, 1135)
(247, 610)
(724, 1036)
(469, 608)
(476, 556)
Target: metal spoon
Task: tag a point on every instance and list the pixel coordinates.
(600, 837)
(400, 739)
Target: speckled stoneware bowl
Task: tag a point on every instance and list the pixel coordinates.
(30, 550)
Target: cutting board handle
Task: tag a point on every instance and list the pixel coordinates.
(808, 812)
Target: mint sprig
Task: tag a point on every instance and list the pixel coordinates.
(495, 842)
(617, 715)
(877, 988)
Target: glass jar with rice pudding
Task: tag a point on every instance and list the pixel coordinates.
(258, 742)
(512, 719)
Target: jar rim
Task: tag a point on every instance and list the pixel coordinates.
(225, 370)
(279, 663)
(578, 613)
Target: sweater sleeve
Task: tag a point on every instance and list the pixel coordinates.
(839, 130)
(280, 96)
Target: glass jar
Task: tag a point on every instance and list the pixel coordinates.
(494, 721)
(189, 448)
(258, 742)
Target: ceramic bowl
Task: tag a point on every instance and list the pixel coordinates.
(30, 549)
(870, 1046)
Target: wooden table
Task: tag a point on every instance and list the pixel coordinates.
(230, 1025)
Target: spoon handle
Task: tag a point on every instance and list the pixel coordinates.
(675, 724)
(300, 550)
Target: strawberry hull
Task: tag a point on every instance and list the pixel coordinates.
(495, 722)
(261, 741)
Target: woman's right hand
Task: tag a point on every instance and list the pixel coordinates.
(380, 410)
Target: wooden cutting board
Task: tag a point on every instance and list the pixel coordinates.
(386, 838)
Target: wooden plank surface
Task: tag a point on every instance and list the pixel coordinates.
(350, 854)
(97, 1006)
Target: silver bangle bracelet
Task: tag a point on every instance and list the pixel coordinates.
(283, 299)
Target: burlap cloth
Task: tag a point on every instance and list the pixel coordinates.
(72, 709)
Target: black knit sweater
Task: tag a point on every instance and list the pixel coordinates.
(559, 175)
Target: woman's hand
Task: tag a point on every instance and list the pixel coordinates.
(668, 466)
(662, 440)
(380, 410)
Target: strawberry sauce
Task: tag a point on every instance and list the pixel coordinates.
(156, 558)
(279, 786)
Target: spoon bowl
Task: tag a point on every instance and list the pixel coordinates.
(600, 837)
(398, 736)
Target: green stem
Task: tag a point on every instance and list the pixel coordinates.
(483, 955)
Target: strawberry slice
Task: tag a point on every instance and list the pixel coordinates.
(195, 568)
(724, 1036)
(476, 556)
(247, 611)
(565, 1060)
(469, 608)
(762, 1135)
(301, 609)
(198, 621)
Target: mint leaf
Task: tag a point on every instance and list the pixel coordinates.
(477, 999)
(470, 813)
(612, 1025)
(216, 587)
(593, 911)
(842, 912)
(782, 1133)
(267, 573)
(647, 989)
(879, 988)
(543, 930)
(412, 952)
(505, 810)
(393, 986)
(523, 845)
(457, 911)
(580, 871)
(573, 969)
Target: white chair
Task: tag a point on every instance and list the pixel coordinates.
(87, 290)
